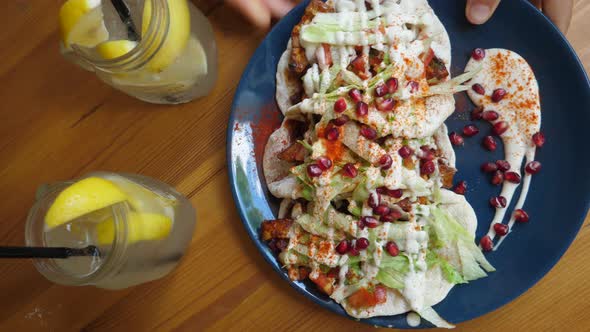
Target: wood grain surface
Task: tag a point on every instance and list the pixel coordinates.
(59, 122)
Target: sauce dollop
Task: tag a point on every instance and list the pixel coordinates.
(520, 108)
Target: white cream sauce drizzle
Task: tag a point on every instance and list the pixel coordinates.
(520, 108)
(413, 319)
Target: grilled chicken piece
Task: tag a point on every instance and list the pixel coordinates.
(295, 152)
(447, 174)
(275, 229)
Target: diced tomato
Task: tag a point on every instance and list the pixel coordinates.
(359, 66)
(327, 54)
(364, 298)
(333, 273)
(324, 283)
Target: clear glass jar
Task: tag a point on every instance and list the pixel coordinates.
(131, 250)
(168, 65)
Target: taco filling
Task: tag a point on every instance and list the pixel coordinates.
(363, 160)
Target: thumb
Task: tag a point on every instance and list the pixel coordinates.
(479, 11)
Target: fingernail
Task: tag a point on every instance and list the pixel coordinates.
(479, 13)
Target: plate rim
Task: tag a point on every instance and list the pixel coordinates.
(271, 259)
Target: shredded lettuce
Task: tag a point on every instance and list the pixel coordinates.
(449, 272)
(447, 231)
(392, 271)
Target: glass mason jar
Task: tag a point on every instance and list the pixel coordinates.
(174, 61)
(139, 239)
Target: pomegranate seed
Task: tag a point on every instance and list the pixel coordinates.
(414, 86)
(341, 120)
(501, 229)
(342, 247)
(456, 139)
(478, 89)
(539, 139)
(489, 143)
(392, 248)
(520, 215)
(382, 210)
(395, 193)
(392, 85)
(405, 151)
(355, 95)
(385, 161)
(478, 54)
(498, 202)
(498, 95)
(460, 188)
(381, 90)
(374, 200)
(314, 170)
(476, 114)
(503, 165)
(512, 177)
(425, 153)
(353, 251)
(324, 163)
(368, 132)
(500, 127)
(332, 134)
(391, 217)
(489, 167)
(470, 130)
(350, 170)
(486, 243)
(384, 105)
(395, 214)
(533, 167)
(362, 108)
(361, 243)
(427, 167)
(340, 105)
(497, 178)
(370, 222)
(490, 115)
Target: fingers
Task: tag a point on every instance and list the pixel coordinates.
(560, 12)
(279, 8)
(479, 11)
(255, 11)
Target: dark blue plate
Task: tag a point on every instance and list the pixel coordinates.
(560, 194)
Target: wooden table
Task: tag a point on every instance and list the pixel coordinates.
(59, 122)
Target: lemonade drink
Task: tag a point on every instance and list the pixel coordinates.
(173, 60)
(140, 226)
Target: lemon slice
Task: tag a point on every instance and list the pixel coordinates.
(81, 22)
(83, 197)
(141, 199)
(140, 227)
(176, 38)
(115, 48)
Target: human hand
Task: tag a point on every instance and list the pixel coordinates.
(259, 12)
(558, 11)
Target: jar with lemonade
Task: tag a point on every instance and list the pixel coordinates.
(141, 228)
(169, 58)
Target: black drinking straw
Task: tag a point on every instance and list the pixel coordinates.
(47, 252)
(123, 11)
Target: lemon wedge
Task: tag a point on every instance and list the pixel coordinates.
(115, 48)
(176, 38)
(140, 227)
(83, 197)
(81, 22)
